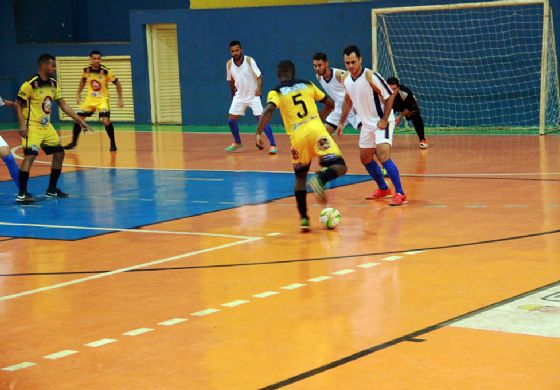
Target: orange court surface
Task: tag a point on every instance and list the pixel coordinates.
(182, 267)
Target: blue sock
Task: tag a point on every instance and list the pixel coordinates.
(234, 130)
(394, 175)
(375, 172)
(13, 168)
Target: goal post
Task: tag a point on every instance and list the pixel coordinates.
(490, 66)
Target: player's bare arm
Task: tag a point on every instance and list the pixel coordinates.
(263, 121)
(21, 119)
(329, 106)
(8, 103)
(72, 114)
(344, 115)
(118, 85)
(388, 105)
(80, 89)
(258, 91)
(232, 86)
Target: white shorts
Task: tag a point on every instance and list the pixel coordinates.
(240, 105)
(369, 137)
(2, 142)
(334, 118)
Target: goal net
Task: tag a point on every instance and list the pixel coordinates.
(485, 66)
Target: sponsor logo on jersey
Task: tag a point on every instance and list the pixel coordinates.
(47, 105)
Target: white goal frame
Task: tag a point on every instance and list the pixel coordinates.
(545, 37)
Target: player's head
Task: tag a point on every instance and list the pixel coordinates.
(320, 63)
(286, 70)
(353, 60)
(235, 50)
(47, 64)
(95, 58)
(393, 83)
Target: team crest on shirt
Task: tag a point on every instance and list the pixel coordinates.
(95, 85)
(323, 143)
(295, 155)
(47, 105)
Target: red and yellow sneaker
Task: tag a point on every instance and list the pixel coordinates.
(380, 194)
(398, 200)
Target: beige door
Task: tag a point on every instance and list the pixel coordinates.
(163, 60)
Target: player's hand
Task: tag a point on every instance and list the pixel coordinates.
(84, 126)
(120, 103)
(339, 130)
(258, 92)
(382, 124)
(23, 131)
(259, 142)
(397, 121)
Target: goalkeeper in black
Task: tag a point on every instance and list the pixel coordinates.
(407, 106)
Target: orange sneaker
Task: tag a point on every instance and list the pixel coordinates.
(398, 200)
(423, 144)
(380, 194)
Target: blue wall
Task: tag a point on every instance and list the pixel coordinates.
(268, 34)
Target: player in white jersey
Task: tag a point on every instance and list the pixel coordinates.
(245, 83)
(331, 81)
(372, 98)
(5, 152)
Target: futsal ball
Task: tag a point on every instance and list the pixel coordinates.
(329, 218)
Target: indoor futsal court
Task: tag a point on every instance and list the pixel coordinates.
(174, 265)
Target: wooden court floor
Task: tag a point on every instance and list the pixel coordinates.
(459, 289)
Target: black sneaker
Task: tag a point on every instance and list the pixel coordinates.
(25, 198)
(113, 148)
(57, 193)
(70, 146)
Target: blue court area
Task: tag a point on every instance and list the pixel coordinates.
(130, 198)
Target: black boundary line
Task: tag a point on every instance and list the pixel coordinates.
(295, 260)
(8, 239)
(408, 337)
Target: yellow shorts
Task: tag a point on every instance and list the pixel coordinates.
(90, 105)
(310, 140)
(38, 136)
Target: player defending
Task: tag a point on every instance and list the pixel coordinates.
(331, 81)
(97, 77)
(308, 136)
(33, 108)
(372, 98)
(5, 152)
(245, 83)
(407, 106)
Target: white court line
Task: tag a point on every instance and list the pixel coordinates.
(125, 269)
(367, 265)
(235, 303)
(392, 258)
(173, 321)
(319, 279)
(274, 234)
(136, 332)
(60, 355)
(293, 286)
(108, 229)
(100, 343)
(205, 312)
(266, 294)
(411, 253)
(343, 272)
(19, 366)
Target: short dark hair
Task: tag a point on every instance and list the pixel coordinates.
(352, 49)
(93, 52)
(44, 58)
(320, 57)
(393, 81)
(234, 43)
(286, 68)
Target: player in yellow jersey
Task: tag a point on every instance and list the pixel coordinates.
(34, 105)
(97, 78)
(308, 136)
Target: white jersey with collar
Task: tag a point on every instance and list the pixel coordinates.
(366, 101)
(245, 76)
